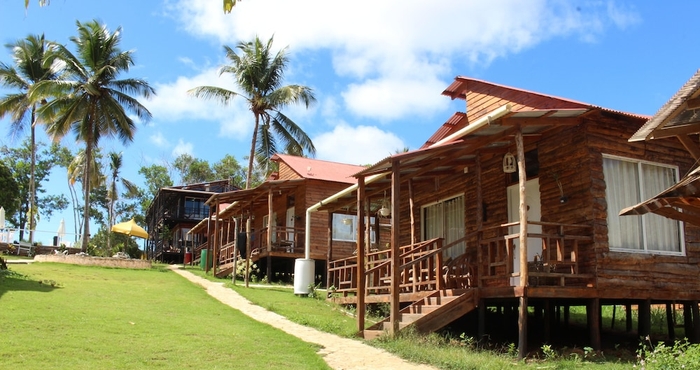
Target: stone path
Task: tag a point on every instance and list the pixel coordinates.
(340, 353)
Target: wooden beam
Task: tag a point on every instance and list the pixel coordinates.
(329, 244)
(693, 103)
(522, 317)
(270, 225)
(690, 146)
(676, 130)
(248, 232)
(395, 316)
(593, 318)
(360, 256)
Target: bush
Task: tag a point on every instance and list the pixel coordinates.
(682, 355)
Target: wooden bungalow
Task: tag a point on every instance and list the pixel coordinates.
(513, 206)
(268, 224)
(173, 212)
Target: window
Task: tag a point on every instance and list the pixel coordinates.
(629, 182)
(345, 228)
(445, 219)
(195, 209)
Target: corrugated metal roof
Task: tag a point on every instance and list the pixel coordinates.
(320, 170)
(674, 108)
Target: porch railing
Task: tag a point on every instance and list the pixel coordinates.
(284, 239)
(420, 270)
(486, 262)
(556, 260)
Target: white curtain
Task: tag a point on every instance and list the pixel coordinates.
(446, 220)
(662, 233)
(628, 183)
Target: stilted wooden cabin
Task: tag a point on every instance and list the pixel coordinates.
(514, 205)
(173, 212)
(275, 213)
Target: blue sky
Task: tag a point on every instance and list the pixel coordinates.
(377, 67)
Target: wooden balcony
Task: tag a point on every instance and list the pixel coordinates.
(284, 242)
(487, 263)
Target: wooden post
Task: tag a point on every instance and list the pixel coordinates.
(329, 255)
(593, 319)
(479, 222)
(522, 179)
(670, 324)
(235, 250)
(548, 320)
(696, 321)
(217, 239)
(688, 320)
(395, 317)
(628, 317)
(482, 319)
(360, 256)
(270, 225)
(410, 211)
(644, 317)
(247, 251)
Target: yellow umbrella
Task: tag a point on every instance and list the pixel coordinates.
(130, 228)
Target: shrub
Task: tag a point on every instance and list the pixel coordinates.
(682, 355)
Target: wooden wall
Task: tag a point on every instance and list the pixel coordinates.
(651, 276)
(573, 156)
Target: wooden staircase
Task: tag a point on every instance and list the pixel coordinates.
(224, 270)
(430, 313)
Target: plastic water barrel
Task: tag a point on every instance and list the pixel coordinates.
(203, 260)
(303, 275)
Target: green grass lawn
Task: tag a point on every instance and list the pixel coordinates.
(58, 316)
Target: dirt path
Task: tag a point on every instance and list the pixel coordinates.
(339, 353)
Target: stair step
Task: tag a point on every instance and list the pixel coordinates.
(423, 308)
(386, 325)
(410, 317)
(438, 300)
(372, 334)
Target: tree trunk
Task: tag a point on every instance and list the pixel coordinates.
(252, 151)
(86, 187)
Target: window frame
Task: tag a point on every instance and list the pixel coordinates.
(373, 233)
(644, 231)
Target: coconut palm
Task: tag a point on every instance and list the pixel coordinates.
(29, 55)
(115, 167)
(75, 173)
(90, 100)
(259, 74)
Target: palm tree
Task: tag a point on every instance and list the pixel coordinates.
(115, 167)
(29, 55)
(259, 74)
(90, 100)
(75, 173)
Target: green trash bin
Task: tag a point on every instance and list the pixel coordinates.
(203, 259)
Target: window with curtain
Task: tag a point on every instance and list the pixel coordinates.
(445, 219)
(629, 182)
(345, 228)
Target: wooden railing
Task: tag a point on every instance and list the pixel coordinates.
(556, 260)
(420, 270)
(487, 263)
(284, 239)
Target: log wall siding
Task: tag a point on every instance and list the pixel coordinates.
(653, 274)
(573, 156)
(286, 173)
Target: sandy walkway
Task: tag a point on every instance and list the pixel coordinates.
(339, 353)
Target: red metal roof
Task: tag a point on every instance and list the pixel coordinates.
(482, 97)
(308, 168)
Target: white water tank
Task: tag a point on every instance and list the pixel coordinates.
(303, 275)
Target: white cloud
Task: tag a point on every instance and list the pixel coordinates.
(182, 148)
(356, 145)
(159, 140)
(388, 44)
(174, 104)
